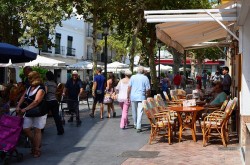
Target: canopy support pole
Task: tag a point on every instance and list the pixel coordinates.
(229, 31)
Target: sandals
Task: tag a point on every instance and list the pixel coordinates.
(37, 154)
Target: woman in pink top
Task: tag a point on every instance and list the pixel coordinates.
(124, 103)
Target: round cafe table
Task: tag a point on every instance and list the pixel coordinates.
(187, 118)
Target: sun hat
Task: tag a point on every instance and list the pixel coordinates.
(75, 72)
(128, 72)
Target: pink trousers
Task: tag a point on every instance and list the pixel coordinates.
(124, 119)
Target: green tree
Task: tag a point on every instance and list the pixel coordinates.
(129, 20)
(31, 22)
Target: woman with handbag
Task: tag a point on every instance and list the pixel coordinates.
(111, 82)
(32, 104)
(124, 103)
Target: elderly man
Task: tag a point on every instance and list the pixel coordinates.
(220, 97)
(138, 90)
(74, 88)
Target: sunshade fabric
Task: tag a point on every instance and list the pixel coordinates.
(83, 65)
(116, 64)
(46, 62)
(15, 54)
(163, 67)
(182, 35)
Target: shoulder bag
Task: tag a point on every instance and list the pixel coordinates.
(37, 111)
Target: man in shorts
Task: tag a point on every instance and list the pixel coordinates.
(98, 92)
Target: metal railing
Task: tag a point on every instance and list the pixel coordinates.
(71, 51)
(60, 50)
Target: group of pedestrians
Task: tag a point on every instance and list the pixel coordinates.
(36, 94)
(129, 90)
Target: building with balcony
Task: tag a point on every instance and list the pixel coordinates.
(73, 43)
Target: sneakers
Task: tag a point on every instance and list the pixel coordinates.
(78, 122)
(60, 132)
(70, 119)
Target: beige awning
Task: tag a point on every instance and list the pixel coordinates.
(184, 35)
(182, 29)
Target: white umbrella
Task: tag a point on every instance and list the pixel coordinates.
(145, 68)
(6, 65)
(182, 69)
(115, 65)
(82, 65)
(163, 67)
(45, 61)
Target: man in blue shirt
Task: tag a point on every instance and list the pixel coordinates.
(98, 92)
(138, 90)
(74, 88)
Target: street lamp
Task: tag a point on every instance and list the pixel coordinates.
(105, 33)
(159, 44)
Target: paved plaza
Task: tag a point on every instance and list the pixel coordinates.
(102, 142)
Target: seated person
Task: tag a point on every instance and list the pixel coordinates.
(220, 97)
(198, 93)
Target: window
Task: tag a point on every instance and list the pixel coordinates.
(89, 52)
(70, 50)
(58, 44)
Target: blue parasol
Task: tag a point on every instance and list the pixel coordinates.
(15, 54)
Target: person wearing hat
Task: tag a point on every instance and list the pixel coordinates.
(74, 88)
(122, 98)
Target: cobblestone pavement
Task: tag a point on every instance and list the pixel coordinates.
(189, 152)
(101, 142)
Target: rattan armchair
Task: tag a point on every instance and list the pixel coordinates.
(160, 125)
(216, 123)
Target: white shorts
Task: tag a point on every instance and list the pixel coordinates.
(37, 122)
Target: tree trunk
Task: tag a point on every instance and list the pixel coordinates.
(151, 54)
(94, 44)
(199, 63)
(133, 45)
(177, 60)
(193, 62)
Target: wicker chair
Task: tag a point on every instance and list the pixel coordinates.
(216, 123)
(160, 125)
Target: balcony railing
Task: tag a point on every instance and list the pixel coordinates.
(90, 56)
(71, 51)
(60, 50)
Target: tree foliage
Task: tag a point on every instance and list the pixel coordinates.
(31, 21)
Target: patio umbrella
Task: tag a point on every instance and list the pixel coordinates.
(163, 67)
(45, 62)
(82, 65)
(116, 65)
(15, 54)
